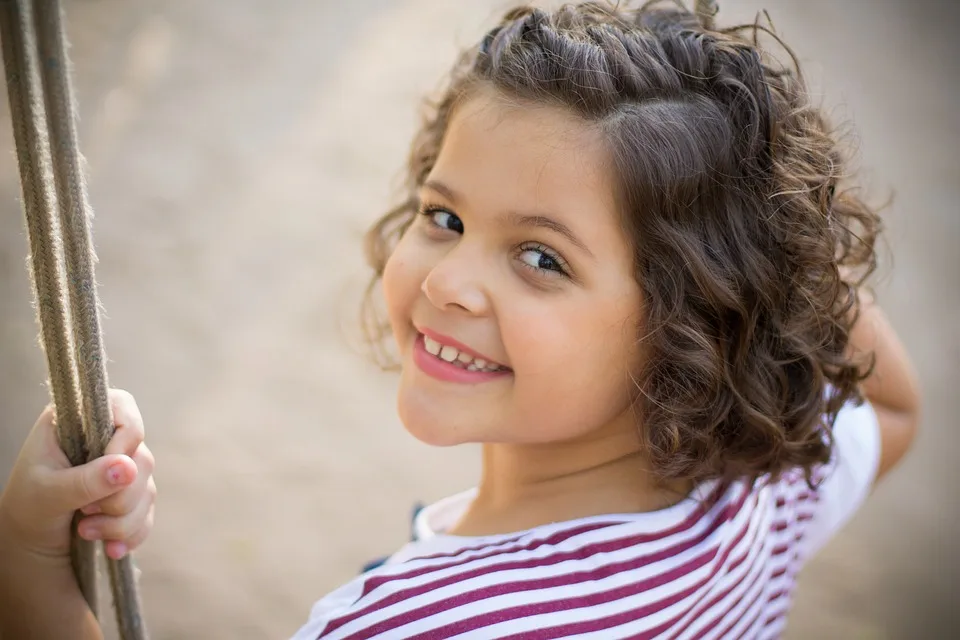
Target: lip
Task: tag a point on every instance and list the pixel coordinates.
(447, 340)
(446, 371)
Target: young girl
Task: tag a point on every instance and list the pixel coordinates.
(626, 267)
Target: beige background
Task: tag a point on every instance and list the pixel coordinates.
(237, 153)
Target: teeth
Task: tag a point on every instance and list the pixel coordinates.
(432, 346)
(455, 356)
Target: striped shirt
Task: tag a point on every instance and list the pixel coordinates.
(720, 564)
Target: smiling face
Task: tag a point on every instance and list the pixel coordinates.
(518, 258)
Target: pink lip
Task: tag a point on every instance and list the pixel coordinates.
(446, 371)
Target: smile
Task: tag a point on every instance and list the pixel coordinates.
(452, 363)
(456, 357)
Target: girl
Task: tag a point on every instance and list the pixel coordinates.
(624, 265)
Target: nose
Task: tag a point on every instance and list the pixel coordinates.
(456, 284)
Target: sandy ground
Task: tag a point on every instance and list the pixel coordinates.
(237, 153)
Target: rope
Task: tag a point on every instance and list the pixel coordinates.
(706, 10)
(61, 249)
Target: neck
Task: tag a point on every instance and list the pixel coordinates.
(527, 485)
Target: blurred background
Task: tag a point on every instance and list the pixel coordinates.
(237, 153)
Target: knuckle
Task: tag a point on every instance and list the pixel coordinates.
(120, 528)
(123, 503)
(125, 410)
(145, 459)
(138, 538)
(114, 505)
(85, 488)
(120, 395)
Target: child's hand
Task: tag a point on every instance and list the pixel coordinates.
(116, 492)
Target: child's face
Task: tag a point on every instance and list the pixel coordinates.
(490, 269)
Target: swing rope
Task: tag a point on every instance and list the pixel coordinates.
(58, 218)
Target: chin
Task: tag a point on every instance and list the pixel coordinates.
(435, 435)
(426, 425)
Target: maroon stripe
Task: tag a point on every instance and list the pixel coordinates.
(559, 536)
(777, 594)
(775, 609)
(482, 620)
(766, 608)
(587, 626)
(753, 621)
(753, 593)
(753, 575)
(645, 610)
(554, 539)
(599, 547)
(779, 572)
(462, 550)
(777, 617)
(754, 604)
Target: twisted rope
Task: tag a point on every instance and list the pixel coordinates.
(706, 10)
(43, 117)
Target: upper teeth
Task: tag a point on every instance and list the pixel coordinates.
(451, 354)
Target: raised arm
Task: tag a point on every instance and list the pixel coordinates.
(892, 388)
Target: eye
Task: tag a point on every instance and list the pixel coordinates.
(542, 259)
(443, 219)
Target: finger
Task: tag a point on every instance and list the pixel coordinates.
(119, 528)
(43, 441)
(128, 422)
(117, 549)
(67, 490)
(126, 499)
(144, 488)
(136, 540)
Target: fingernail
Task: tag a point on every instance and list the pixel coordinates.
(89, 533)
(119, 550)
(117, 473)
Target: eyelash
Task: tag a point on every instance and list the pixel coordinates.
(428, 211)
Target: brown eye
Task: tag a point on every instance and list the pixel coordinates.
(444, 219)
(542, 259)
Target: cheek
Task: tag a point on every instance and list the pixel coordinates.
(401, 284)
(576, 367)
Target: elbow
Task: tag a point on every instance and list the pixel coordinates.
(899, 428)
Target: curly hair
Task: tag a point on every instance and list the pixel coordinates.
(728, 184)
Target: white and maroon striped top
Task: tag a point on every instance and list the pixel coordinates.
(721, 564)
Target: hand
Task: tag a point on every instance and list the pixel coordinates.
(116, 492)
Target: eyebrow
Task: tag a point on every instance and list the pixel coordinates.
(517, 219)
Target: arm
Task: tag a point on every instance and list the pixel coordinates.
(892, 388)
(39, 597)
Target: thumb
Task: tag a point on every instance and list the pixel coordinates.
(78, 486)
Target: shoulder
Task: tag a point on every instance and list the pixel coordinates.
(821, 507)
(449, 586)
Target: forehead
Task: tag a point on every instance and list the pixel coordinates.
(544, 156)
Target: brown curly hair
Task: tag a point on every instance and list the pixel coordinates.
(728, 184)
